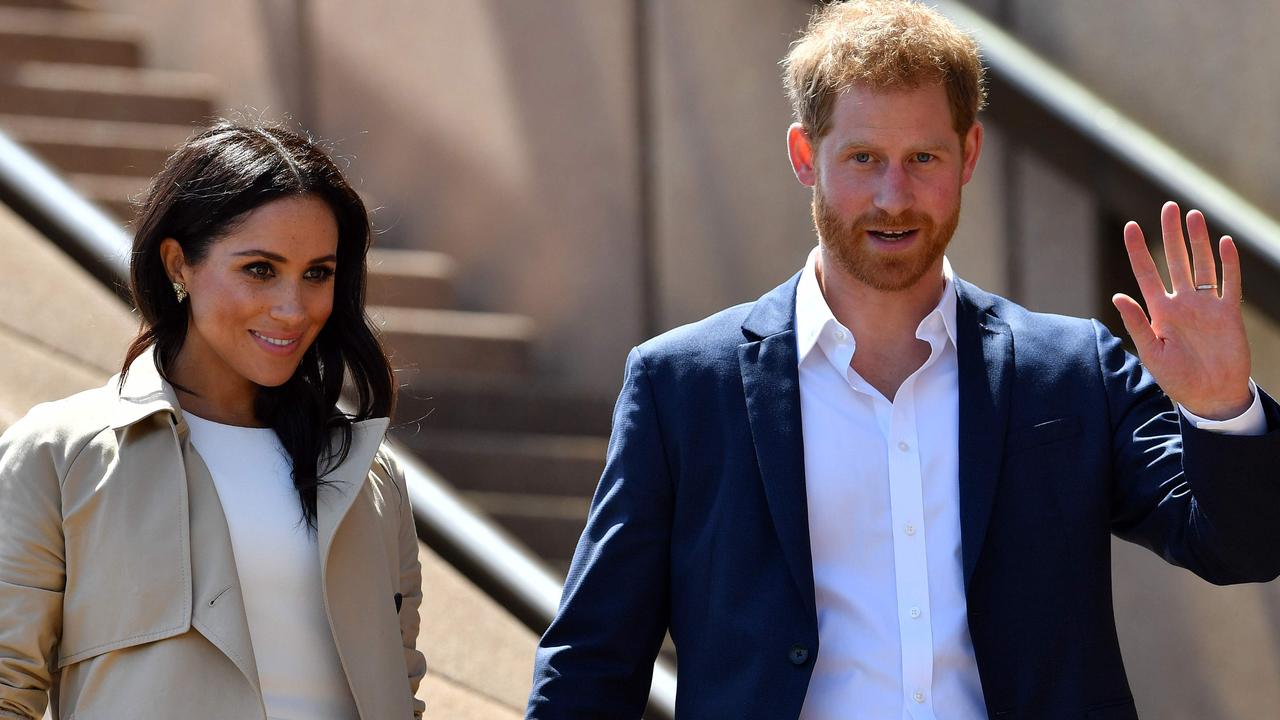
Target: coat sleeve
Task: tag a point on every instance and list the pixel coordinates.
(596, 658)
(410, 584)
(1204, 501)
(32, 568)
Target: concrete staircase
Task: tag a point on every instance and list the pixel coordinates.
(74, 89)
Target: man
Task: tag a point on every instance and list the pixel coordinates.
(880, 492)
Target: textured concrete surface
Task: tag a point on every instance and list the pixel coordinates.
(475, 650)
(61, 330)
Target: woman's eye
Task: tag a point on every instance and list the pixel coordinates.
(259, 270)
(319, 273)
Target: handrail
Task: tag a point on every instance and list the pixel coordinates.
(1129, 169)
(465, 539)
(59, 213)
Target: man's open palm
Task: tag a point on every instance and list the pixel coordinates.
(1193, 341)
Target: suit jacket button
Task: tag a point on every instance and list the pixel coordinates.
(798, 655)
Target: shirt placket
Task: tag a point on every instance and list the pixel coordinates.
(911, 567)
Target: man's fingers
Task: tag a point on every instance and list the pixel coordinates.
(1204, 270)
(1144, 268)
(1175, 248)
(1136, 324)
(1231, 289)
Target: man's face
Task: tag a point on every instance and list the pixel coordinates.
(887, 179)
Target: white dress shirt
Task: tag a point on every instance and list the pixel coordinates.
(278, 563)
(882, 479)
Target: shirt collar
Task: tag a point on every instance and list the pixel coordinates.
(814, 317)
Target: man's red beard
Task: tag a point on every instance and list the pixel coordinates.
(848, 245)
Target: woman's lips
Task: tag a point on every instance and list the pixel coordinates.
(276, 344)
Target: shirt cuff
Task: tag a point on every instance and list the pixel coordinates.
(1251, 422)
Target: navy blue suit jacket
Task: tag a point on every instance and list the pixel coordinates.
(699, 524)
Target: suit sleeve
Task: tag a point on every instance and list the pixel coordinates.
(1204, 501)
(410, 584)
(596, 658)
(32, 571)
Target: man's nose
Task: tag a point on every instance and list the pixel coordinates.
(894, 195)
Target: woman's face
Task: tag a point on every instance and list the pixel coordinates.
(258, 298)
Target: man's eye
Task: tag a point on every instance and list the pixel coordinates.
(923, 157)
(862, 157)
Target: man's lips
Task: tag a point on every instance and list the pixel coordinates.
(894, 236)
(278, 344)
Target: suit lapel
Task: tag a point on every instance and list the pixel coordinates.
(986, 364)
(771, 383)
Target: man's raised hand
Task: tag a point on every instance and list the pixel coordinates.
(1192, 341)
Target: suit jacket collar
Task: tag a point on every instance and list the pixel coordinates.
(775, 312)
(770, 377)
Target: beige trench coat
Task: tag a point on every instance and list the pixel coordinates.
(118, 590)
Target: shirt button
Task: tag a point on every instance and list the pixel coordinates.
(909, 529)
(914, 613)
(840, 336)
(918, 696)
(903, 446)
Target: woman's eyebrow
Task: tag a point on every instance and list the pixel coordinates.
(280, 258)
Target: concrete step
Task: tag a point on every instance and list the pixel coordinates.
(549, 526)
(520, 407)
(410, 278)
(47, 4)
(529, 464)
(106, 93)
(114, 193)
(425, 341)
(99, 147)
(45, 34)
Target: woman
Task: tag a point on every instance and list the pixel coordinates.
(208, 535)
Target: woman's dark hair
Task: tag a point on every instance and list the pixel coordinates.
(204, 190)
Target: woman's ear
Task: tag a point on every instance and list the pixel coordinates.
(175, 263)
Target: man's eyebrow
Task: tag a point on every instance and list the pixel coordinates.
(932, 147)
(280, 258)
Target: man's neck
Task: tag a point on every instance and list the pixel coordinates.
(883, 322)
(871, 313)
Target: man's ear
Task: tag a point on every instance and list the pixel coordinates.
(175, 263)
(802, 153)
(972, 144)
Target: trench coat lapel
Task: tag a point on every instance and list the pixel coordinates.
(771, 383)
(352, 550)
(985, 356)
(219, 612)
(213, 586)
(346, 482)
